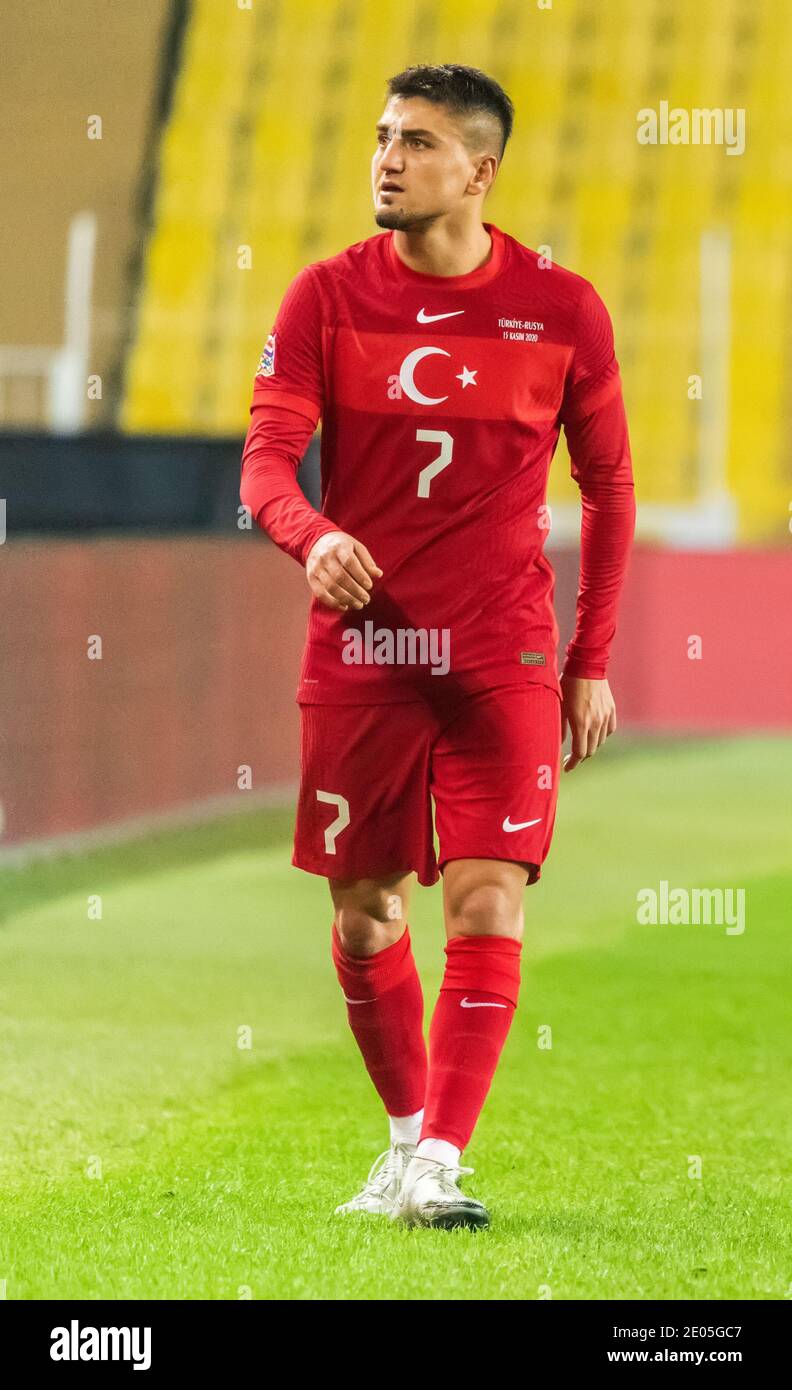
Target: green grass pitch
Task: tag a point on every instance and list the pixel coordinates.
(145, 1155)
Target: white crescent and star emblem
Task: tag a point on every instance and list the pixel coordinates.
(407, 375)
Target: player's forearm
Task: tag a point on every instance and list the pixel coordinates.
(602, 467)
(269, 489)
(606, 539)
(273, 450)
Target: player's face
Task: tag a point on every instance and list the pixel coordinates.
(420, 149)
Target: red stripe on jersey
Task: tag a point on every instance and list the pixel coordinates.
(465, 377)
(265, 394)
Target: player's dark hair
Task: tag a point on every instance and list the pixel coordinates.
(464, 91)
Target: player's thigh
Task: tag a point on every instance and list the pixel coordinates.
(495, 771)
(364, 817)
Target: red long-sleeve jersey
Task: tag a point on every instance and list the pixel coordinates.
(442, 399)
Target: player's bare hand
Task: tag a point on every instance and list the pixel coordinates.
(588, 711)
(340, 571)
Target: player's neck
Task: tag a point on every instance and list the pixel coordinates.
(440, 252)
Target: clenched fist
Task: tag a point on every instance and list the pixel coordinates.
(340, 571)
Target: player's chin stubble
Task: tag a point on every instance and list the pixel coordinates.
(390, 217)
(396, 219)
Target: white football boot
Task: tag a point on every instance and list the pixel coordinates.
(429, 1196)
(383, 1183)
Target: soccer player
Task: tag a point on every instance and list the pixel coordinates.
(443, 357)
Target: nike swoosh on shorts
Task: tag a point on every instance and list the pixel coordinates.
(521, 825)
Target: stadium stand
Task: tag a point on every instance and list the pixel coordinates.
(279, 177)
(64, 67)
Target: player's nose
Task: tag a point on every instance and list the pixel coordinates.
(389, 157)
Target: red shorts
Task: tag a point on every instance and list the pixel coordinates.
(491, 763)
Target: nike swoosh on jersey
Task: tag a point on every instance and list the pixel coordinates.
(483, 1004)
(423, 317)
(521, 825)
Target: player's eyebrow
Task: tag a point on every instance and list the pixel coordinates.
(383, 127)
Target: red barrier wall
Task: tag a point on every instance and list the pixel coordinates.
(201, 645)
(739, 603)
(201, 640)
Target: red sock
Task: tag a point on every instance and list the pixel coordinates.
(385, 1011)
(465, 1041)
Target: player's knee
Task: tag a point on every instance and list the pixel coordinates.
(485, 905)
(363, 934)
(368, 915)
